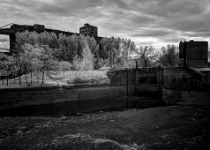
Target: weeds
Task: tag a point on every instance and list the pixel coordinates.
(175, 127)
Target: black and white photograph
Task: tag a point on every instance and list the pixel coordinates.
(104, 74)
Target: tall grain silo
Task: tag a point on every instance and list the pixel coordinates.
(182, 53)
(197, 54)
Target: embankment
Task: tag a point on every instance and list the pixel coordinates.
(69, 100)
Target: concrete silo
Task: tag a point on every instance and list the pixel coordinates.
(193, 54)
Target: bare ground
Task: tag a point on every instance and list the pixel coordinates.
(174, 127)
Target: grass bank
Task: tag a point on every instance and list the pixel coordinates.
(60, 78)
(174, 127)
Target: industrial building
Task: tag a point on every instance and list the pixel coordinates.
(189, 84)
(89, 30)
(9, 33)
(194, 69)
(193, 54)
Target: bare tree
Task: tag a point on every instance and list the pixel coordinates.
(146, 55)
(169, 58)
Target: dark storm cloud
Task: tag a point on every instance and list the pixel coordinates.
(153, 20)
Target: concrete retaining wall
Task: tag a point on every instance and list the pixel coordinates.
(12, 98)
(186, 97)
(70, 100)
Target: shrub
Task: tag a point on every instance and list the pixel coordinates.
(79, 80)
(83, 80)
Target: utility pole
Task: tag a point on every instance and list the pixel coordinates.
(110, 56)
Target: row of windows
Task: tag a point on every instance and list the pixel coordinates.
(89, 27)
(87, 30)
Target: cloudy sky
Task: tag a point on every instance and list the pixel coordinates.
(156, 22)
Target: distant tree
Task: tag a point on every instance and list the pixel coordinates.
(3, 60)
(170, 57)
(39, 59)
(86, 62)
(117, 51)
(10, 66)
(69, 47)
(20, 65)
(7, 66)
(64, 66)
(15, 70)
(29, 46)
(146, 55)
(110, 49)
(23, 38)
(46, 63)
(126, 48)
(33, 38)
(30, 57)
(54, 43)
(45, 38)
(94, 48)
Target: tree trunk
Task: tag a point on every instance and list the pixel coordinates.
(43, 77)
(14, 79)
(25, 79)
(110, 56)
(7, 80)
(19, 76)
(14, 76)
(19, 79)
(37, 78)
(31, 76)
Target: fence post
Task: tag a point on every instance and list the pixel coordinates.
(136, 77)
(127, 86)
